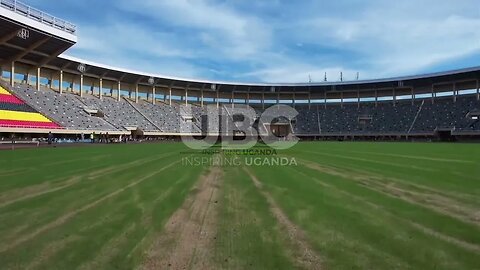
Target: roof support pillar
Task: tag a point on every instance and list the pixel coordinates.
(341, 100)
(455, 93)
(413, 96)
(478, 89)
(358, 100)
(433, 94)
(28, 78)
(309, 100)
(394, 97)
(376, 97)
(119, 87)
(60, 82)
(136, 93)
(81, 85)
(233, 99)
(154, 97)
(38, 78)
(325, 99)
(294, 99)
(278, 97)
(12, 74)
(170, 95)
(100, 88)
(263, 100)
(202, 98)
(186, 96)
(218, 102)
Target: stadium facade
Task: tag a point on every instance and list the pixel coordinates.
(44, 90)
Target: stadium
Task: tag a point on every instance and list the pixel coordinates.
(359, 174)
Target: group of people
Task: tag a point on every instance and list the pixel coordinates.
(92, 138)
(101, 138)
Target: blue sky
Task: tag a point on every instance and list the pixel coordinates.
(275, 40)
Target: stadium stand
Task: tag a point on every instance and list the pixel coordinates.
(65, 109)
(445, 114)
(386, 117)
(16, 113)
(75, 112)
(43, 87)
(165, 117)
(121, 114)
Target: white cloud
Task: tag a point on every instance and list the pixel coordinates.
(219, 26)
(127, 37)
(400, 39)
(131, 46)
(377, 38)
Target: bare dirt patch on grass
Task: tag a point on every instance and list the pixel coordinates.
(303, 253)
(426, 230)
(419, 196)
(67, 216)
(187, 239)
(449, 160)
(117, 168)
(18, 195)
(21, 194)
(51, 250)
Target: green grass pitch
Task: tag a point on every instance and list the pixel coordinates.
(343, 206)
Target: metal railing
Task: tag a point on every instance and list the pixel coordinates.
(38, 15)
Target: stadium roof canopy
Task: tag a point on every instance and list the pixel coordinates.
(131, 76)
(31, 37)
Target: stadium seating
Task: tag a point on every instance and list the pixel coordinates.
(444, 114)
(166, 117)
(120, 114)
(16, 113)
(65, 109)
(387, 117)
(403, 117)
